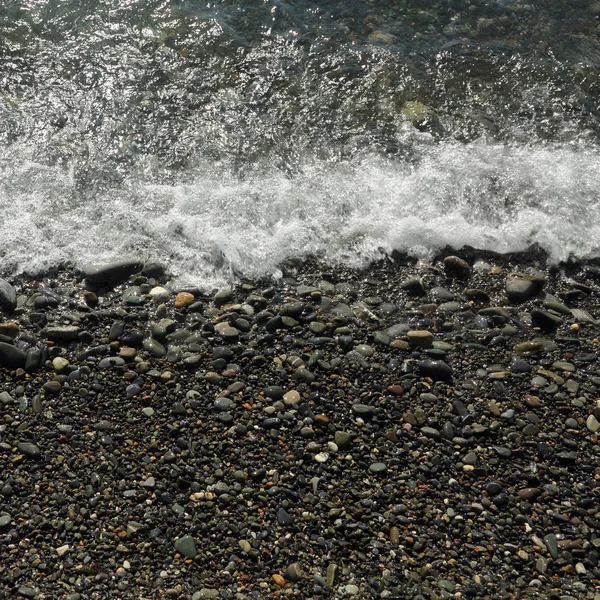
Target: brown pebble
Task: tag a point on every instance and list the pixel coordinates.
(390, 434)
(183, 299)
(128, 353)
(9, 329)
(90, 299)
(529, 493)
(457, 268)
(532, 401)
(420, 338)
(321, 420)
(395, 390)
(427, 308)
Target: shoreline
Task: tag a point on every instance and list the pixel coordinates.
(408, 430)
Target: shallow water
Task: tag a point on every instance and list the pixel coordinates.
(224, 137)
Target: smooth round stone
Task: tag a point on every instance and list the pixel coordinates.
(378, 468)
(342, 439)
(539, 381)
(520, 366)
(112, 361)
(364, 350)
(223, 404)
(148, 411)
(413, 287)
(230, 333)
(592, 424)
(304, 376)
(274, 392)
(351, 589)
(399, 345)
(362, 410)
(322, 457)
(60, 364)
(183, 299)
(529, 348)
(522, 288)
(448, 431)
(456, 267)
(291, 398)
(29, 449)
(431, 432)
(316, 327)
(450, 307)
(52, 387)
(5, 520)
(159, 294)
(437, 370)
(292, 309)
(560, 365)
(293, 572)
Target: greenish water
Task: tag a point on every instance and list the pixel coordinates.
(227, 136)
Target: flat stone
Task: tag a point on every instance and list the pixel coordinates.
(206, 593)
(420, 338)
(552, 545)
(529, 348)
(431, 432)
(284, 518)
(29, 449)
(68, 333)
(520, 288)
(186, 546)
(378, 468)
(561, 365)
(112, 273)
(363, 410)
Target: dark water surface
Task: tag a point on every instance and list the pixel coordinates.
(226, 136)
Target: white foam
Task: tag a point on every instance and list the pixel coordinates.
(214, 224)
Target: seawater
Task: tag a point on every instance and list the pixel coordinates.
(225, 137)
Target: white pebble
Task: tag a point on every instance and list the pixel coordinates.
(321, 457)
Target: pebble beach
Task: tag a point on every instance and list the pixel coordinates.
(423, 430)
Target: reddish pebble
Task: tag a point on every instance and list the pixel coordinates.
(183, 299)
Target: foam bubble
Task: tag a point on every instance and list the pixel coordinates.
(211, 224)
